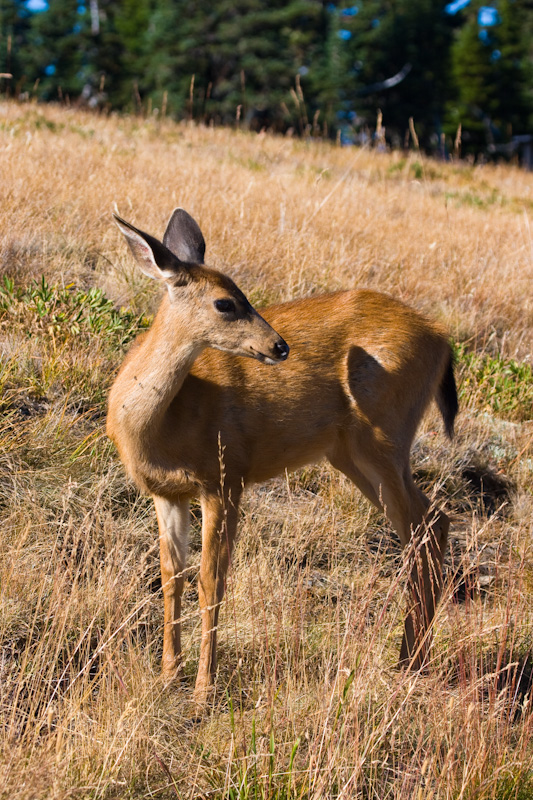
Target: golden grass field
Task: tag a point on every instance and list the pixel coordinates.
(308, 703)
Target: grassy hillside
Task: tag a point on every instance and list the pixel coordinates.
(309, 703)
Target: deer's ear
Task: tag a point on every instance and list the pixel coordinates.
(153, 257)
(184, 237)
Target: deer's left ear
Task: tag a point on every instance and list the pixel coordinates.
(153, 257)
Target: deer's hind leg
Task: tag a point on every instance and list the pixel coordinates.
(384, 476)
(427, 534)
(173, 520)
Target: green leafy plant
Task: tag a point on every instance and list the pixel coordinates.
(503, 386)
(64, 312)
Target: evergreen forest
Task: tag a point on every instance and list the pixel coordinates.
(443, 75)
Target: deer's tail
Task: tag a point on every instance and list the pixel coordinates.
(446, 396)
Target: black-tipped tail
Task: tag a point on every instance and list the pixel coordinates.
(447, 397)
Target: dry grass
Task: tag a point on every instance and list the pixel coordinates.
(308, 704)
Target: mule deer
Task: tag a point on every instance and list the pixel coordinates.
(362, 371)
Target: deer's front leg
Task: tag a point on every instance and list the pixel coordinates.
(219, 525)
(173, 520)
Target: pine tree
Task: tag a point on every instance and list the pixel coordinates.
(512, 70)
(134, 22)
(244, 55)
(111, 49)
(491, 74)
(244, 59)
(406, 41)
(57, 53)
(14, 24)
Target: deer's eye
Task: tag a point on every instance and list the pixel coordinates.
(225, 306)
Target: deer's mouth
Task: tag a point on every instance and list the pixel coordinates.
(264, 359)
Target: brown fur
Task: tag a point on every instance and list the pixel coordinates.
(362, 369)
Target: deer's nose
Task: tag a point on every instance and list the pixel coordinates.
(281, 350)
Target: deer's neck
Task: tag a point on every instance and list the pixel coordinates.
(149, 380)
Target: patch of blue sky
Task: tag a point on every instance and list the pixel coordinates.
(488, 16)
(50, 69)
(495, 55)
(36, 6)
(484, 35)
(344, 34)
(455, 6)
(350, 11)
